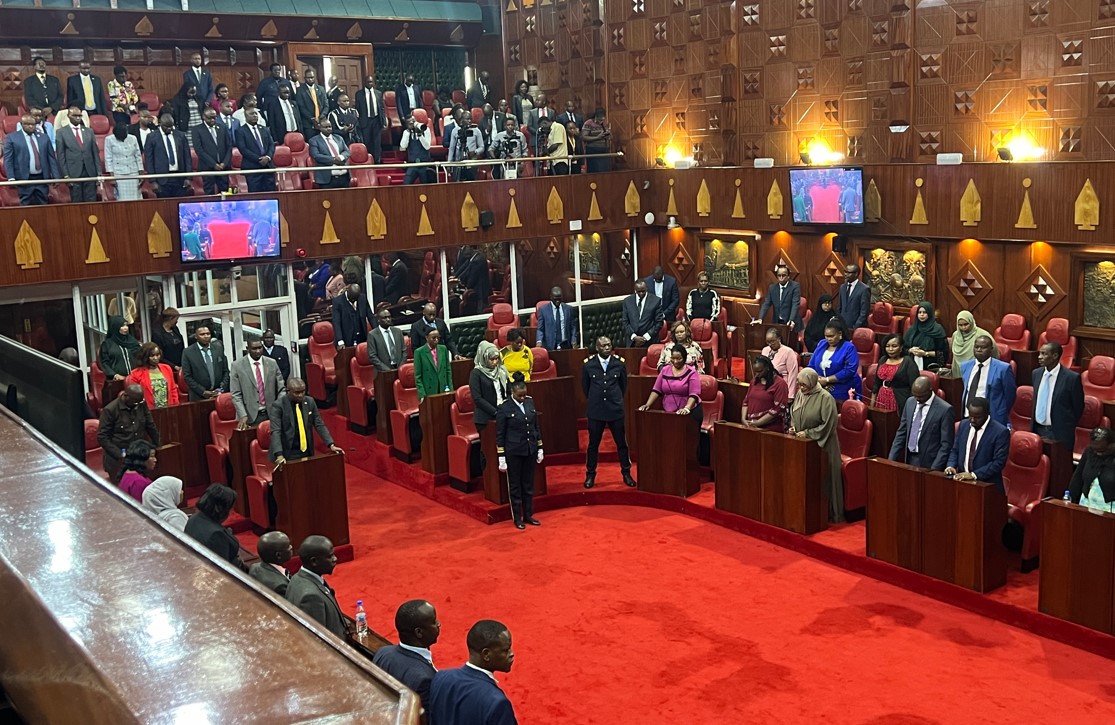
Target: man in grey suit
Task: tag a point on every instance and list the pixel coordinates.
(784, 296)
(1058, 397)
(205, 366)
(307, 589)
(410, 662)
(78, 157)
(855, 299)
(925, 433)
(255, 383)
(274, 550)
(289, 438)
(387, 347)
(642, 316)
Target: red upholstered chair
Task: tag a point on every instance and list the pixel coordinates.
(544, 368)
(712, 403)
(183, 387)
(1099, 378)
(537, 311)
(426, 277)
(864, 341)
(296, 142)
(96, 387)
(1092, 417)
(94, 455)
(288, 179)
(882, 319)
(320, 374)
(258, 480)
(1012, 332)
(361, 177)
(869, 381)
(707, 339)
(649, 364)
(404, 418)
(502, 293)
(854, 431)
(464, 442)
(935, 382)
(100, 125)
(1022, 412)
(501, 335)
(1057, 330)
(151, 99)
(391, 109)
(361, 392)
(502, 314)
(1026, 480)
(222, 421)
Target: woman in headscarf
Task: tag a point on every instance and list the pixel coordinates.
(488, 383)
(926, 340)
(815, 330)
(161, 499)
(118, 352)
(814, 416)
(964, 340)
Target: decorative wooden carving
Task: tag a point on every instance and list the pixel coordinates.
(376, 221)
(328, 233)
(872, 203)
(1086, 214)
(969, 286)
(632, 204)
(28, 247)
(775, 202)
(424, 227)
(971, 210)
(470, 214)
(1026, 213)
(594, 214)
(1040, 292)
(704, 201)
(918, 215)
(737, 206)
(555, 207)
(96, 253)
(672, 204)
(158, 237)
(513, 221)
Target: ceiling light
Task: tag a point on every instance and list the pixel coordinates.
(899, 126)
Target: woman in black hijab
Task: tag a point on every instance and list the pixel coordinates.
(815, 330)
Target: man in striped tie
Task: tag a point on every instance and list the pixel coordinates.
(256, 383)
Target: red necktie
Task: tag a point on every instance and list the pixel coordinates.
(77, 135)
(259, 387)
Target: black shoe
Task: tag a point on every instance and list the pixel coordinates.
(629, 481)
(533, 521)
(520, 525)
(590, 480)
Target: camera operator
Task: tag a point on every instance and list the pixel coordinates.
(465, 144)
(508, 144)
(416, 140)
(551, 137)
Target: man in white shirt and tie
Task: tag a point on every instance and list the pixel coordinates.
(86, 90)
(372, 117)
(256, 383)
(386, 345)
(986, 377)
(330, 151)
(925, 431)
(1058, 397)
(283, 116)
(28, 156)
(197, 76)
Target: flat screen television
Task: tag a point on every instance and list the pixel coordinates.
(829, 195)
(237, 229)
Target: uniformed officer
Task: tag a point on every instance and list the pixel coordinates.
(519, 445)
(604, 380)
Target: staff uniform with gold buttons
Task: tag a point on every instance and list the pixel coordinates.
(519, 445)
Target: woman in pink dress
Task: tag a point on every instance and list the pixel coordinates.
(679, 386)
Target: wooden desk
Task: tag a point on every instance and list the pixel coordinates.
(559, 425)
(794, 473)
(894, 496)
(111, 390)
(668, 451)
(344, 377)
(240, 461)
(171, 462)
(311, 498)
(384, 388)
(406, 314)
(632, 357)
(734, 395)
(1060, 466)
(953, 388)
(1025, 362)
(495, 482)
(739, 485)
(366, 645)
(1077, 565)
(961, 532)
(571, 362)
(437, 424)
(885, 427)
(638, 389)
(460, 370)
(188, 424)
(755, 336)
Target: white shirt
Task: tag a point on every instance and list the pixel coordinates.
(390, 343)
(981, 389)
(658, 287)
(33, 153)
(481, 669)
(335, 149)
(281, 570)
(1049, 377)
(423, 138)
(412, 93)
(373, 107)
(171, 150)
(921, 410)
(288, 114)
(973, 435)
(423, 652)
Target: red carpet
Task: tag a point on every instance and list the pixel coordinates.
(634, 615)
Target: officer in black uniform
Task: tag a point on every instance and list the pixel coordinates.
(519, 445)
(604, 380)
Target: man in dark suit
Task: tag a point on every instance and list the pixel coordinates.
(283, 116)
(200, 78)
(855, 299)
(214, 151)
(255, 383)
(373, 117)
(642, 316)
(257, 150)
(145, 124)
(294, 418)
(570, 115)
(312, 102)
(328, 149)
(604, 382)
(410, 662)
(398, 278)
(351, 317)
(86, 91)
(228, 120)
(784, 296)
(274, 550)
(470, 694)
(205, 366)
(268, 89)
(557, 323)
(1058, 397)
(408, 96)
(42, 90)
(665, 288)
(430, 321)
(925, 432)
(503, 112)
(168, 152)
(981, 446)
(476, 278)
(308, 590)
(387, 347)
(479, 92)
(78, 157)
(986, 377)
(534, 118)
(378, 286)
(28, 156)
(278, 353)
(333, 93)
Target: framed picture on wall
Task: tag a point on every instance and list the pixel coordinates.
(727, 259)
(1097, 301)
(897, 273)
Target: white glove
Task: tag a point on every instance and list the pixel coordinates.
(539, 459)
(341, 345)
(502, 464)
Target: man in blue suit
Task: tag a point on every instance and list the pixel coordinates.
(981, 447)
(665, 288)
(29, 156)
(410, 662)
(785, 297)
(200, 78)
(557, 324)
(168, 152)
(855, 299)
(1058, 397)
(986, 377)
(257, 151)
(470, 694)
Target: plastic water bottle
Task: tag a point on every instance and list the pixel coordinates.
(1067, 498)
(361, 619)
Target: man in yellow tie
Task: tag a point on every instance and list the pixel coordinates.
(86, 91)
(311, 101)
(294, 418)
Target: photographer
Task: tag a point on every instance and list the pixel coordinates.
(416, 140)
(551, 138)
(508, 144)
(465, 144)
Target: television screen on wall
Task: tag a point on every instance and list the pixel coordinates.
(240, 230)
(828, 195)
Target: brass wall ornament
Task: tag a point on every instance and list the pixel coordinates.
(97, 253)
(918, 216)
(632, 203)
(425, 229)
(594, 214)
(872, 203)
(328, 233)
(704, 200)
(158, 237)
(737, 207)
(28, 247)
(376, 221)
(470, 214)
(1086, 214)
(1026, 213)
(775, 202)
(971, 206)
